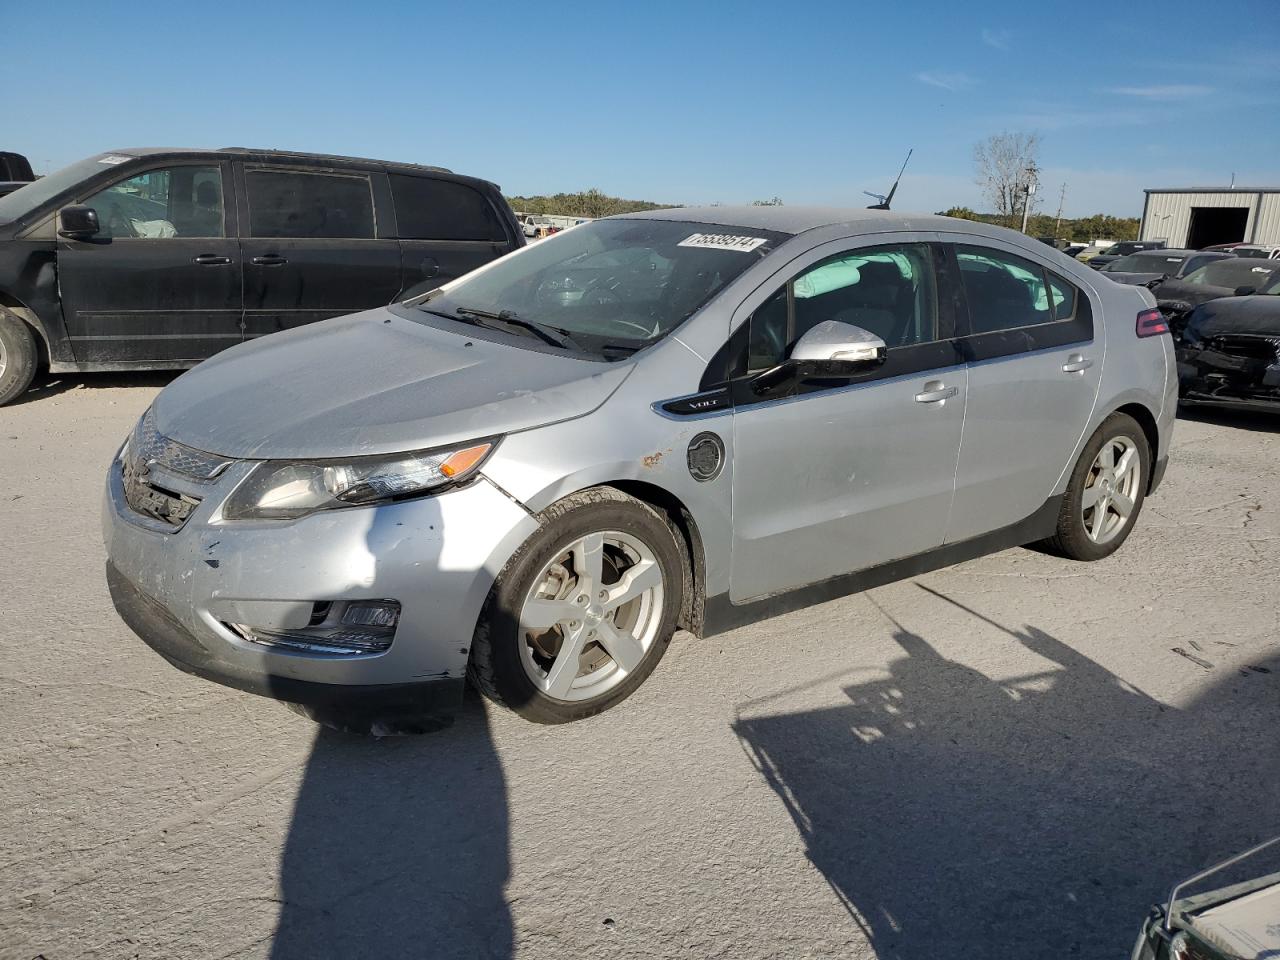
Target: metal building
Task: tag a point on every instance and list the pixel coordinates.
(1199, 217)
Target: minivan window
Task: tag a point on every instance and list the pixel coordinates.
(300, 204)
(172, 202)
(431, 209)
(610, 283)
(24, 200)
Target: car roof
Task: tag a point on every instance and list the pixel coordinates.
(785, 219)
(332, 158)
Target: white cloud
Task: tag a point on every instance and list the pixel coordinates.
(947, 81)
(1170, 91)
(1000, 39)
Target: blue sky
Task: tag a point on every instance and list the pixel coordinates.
(678, 102)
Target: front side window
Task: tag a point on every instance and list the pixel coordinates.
(302, 205)
(431, 209)
(888, 291)
(184, 201)
(607, 285)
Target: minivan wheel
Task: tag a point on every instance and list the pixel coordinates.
(1106, 491)
(583, 612)
(17, 356)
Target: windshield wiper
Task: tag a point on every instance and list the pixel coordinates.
(505, 319)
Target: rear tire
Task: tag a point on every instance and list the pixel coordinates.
(18, 356)
(561, 638)
(1105, 493)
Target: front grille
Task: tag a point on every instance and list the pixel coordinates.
(1266, 349)
(145, 498)
(149, 446)
(147, 450)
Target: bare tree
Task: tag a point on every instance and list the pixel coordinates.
(1006, 167)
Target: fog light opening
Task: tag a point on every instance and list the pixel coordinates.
(337, 628)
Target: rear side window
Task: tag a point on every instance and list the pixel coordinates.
(429, 209)
(1005, 292)
(293, 203)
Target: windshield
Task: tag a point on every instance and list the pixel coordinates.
(610, 283)
(1145, 263)
(22, 201)
(1237, 272)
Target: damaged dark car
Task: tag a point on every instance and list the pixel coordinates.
(1232, 277)
(1229, 353)
(1150, 266)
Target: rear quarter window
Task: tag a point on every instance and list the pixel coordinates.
(430, 209)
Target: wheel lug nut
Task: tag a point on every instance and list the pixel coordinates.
(604, 594)
(591, 633)
(582, 599)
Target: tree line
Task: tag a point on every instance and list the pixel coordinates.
(586, 203)
(1098, 227)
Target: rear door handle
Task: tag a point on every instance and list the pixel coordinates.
(211, 260)
(1077, 363)
(269, 260)
(936, 390)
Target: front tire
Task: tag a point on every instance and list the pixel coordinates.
(18, 356)
(583, 612)
(1106, 491)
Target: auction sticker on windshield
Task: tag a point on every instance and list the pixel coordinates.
(722, 241)
(114, 158)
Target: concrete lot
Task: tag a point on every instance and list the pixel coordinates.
(1010, 758)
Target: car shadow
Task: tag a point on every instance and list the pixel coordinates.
(48, 385)
(956, 815)
(398, 847)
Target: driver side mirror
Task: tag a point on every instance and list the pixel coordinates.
(78, 222)
(1245, 291)
(827, 349)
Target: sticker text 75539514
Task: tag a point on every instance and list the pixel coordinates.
(722, 241)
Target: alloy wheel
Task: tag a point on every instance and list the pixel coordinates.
(591, 616)
(1111, 489)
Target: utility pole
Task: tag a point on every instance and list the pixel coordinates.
(1031, 188)
(1057, 225)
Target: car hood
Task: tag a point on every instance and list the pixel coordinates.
(373, 383)
(1257, 315)
(1192, 293)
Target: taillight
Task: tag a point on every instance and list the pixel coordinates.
(1151, 323)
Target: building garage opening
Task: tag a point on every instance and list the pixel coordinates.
(1210, 225)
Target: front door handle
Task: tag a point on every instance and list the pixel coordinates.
(211, 260)
(935, 391)
(269, 260)
(1077, 363)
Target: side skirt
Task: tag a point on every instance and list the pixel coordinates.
(722, 614)
(120, 366)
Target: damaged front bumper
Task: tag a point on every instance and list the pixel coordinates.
(191, 590)
(1237, 371)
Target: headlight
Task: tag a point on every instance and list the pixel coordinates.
(285, 490)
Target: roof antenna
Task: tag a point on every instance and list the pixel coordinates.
(886, 200)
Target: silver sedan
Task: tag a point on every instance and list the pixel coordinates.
(533, 475)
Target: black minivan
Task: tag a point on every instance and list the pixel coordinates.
(156, 258)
